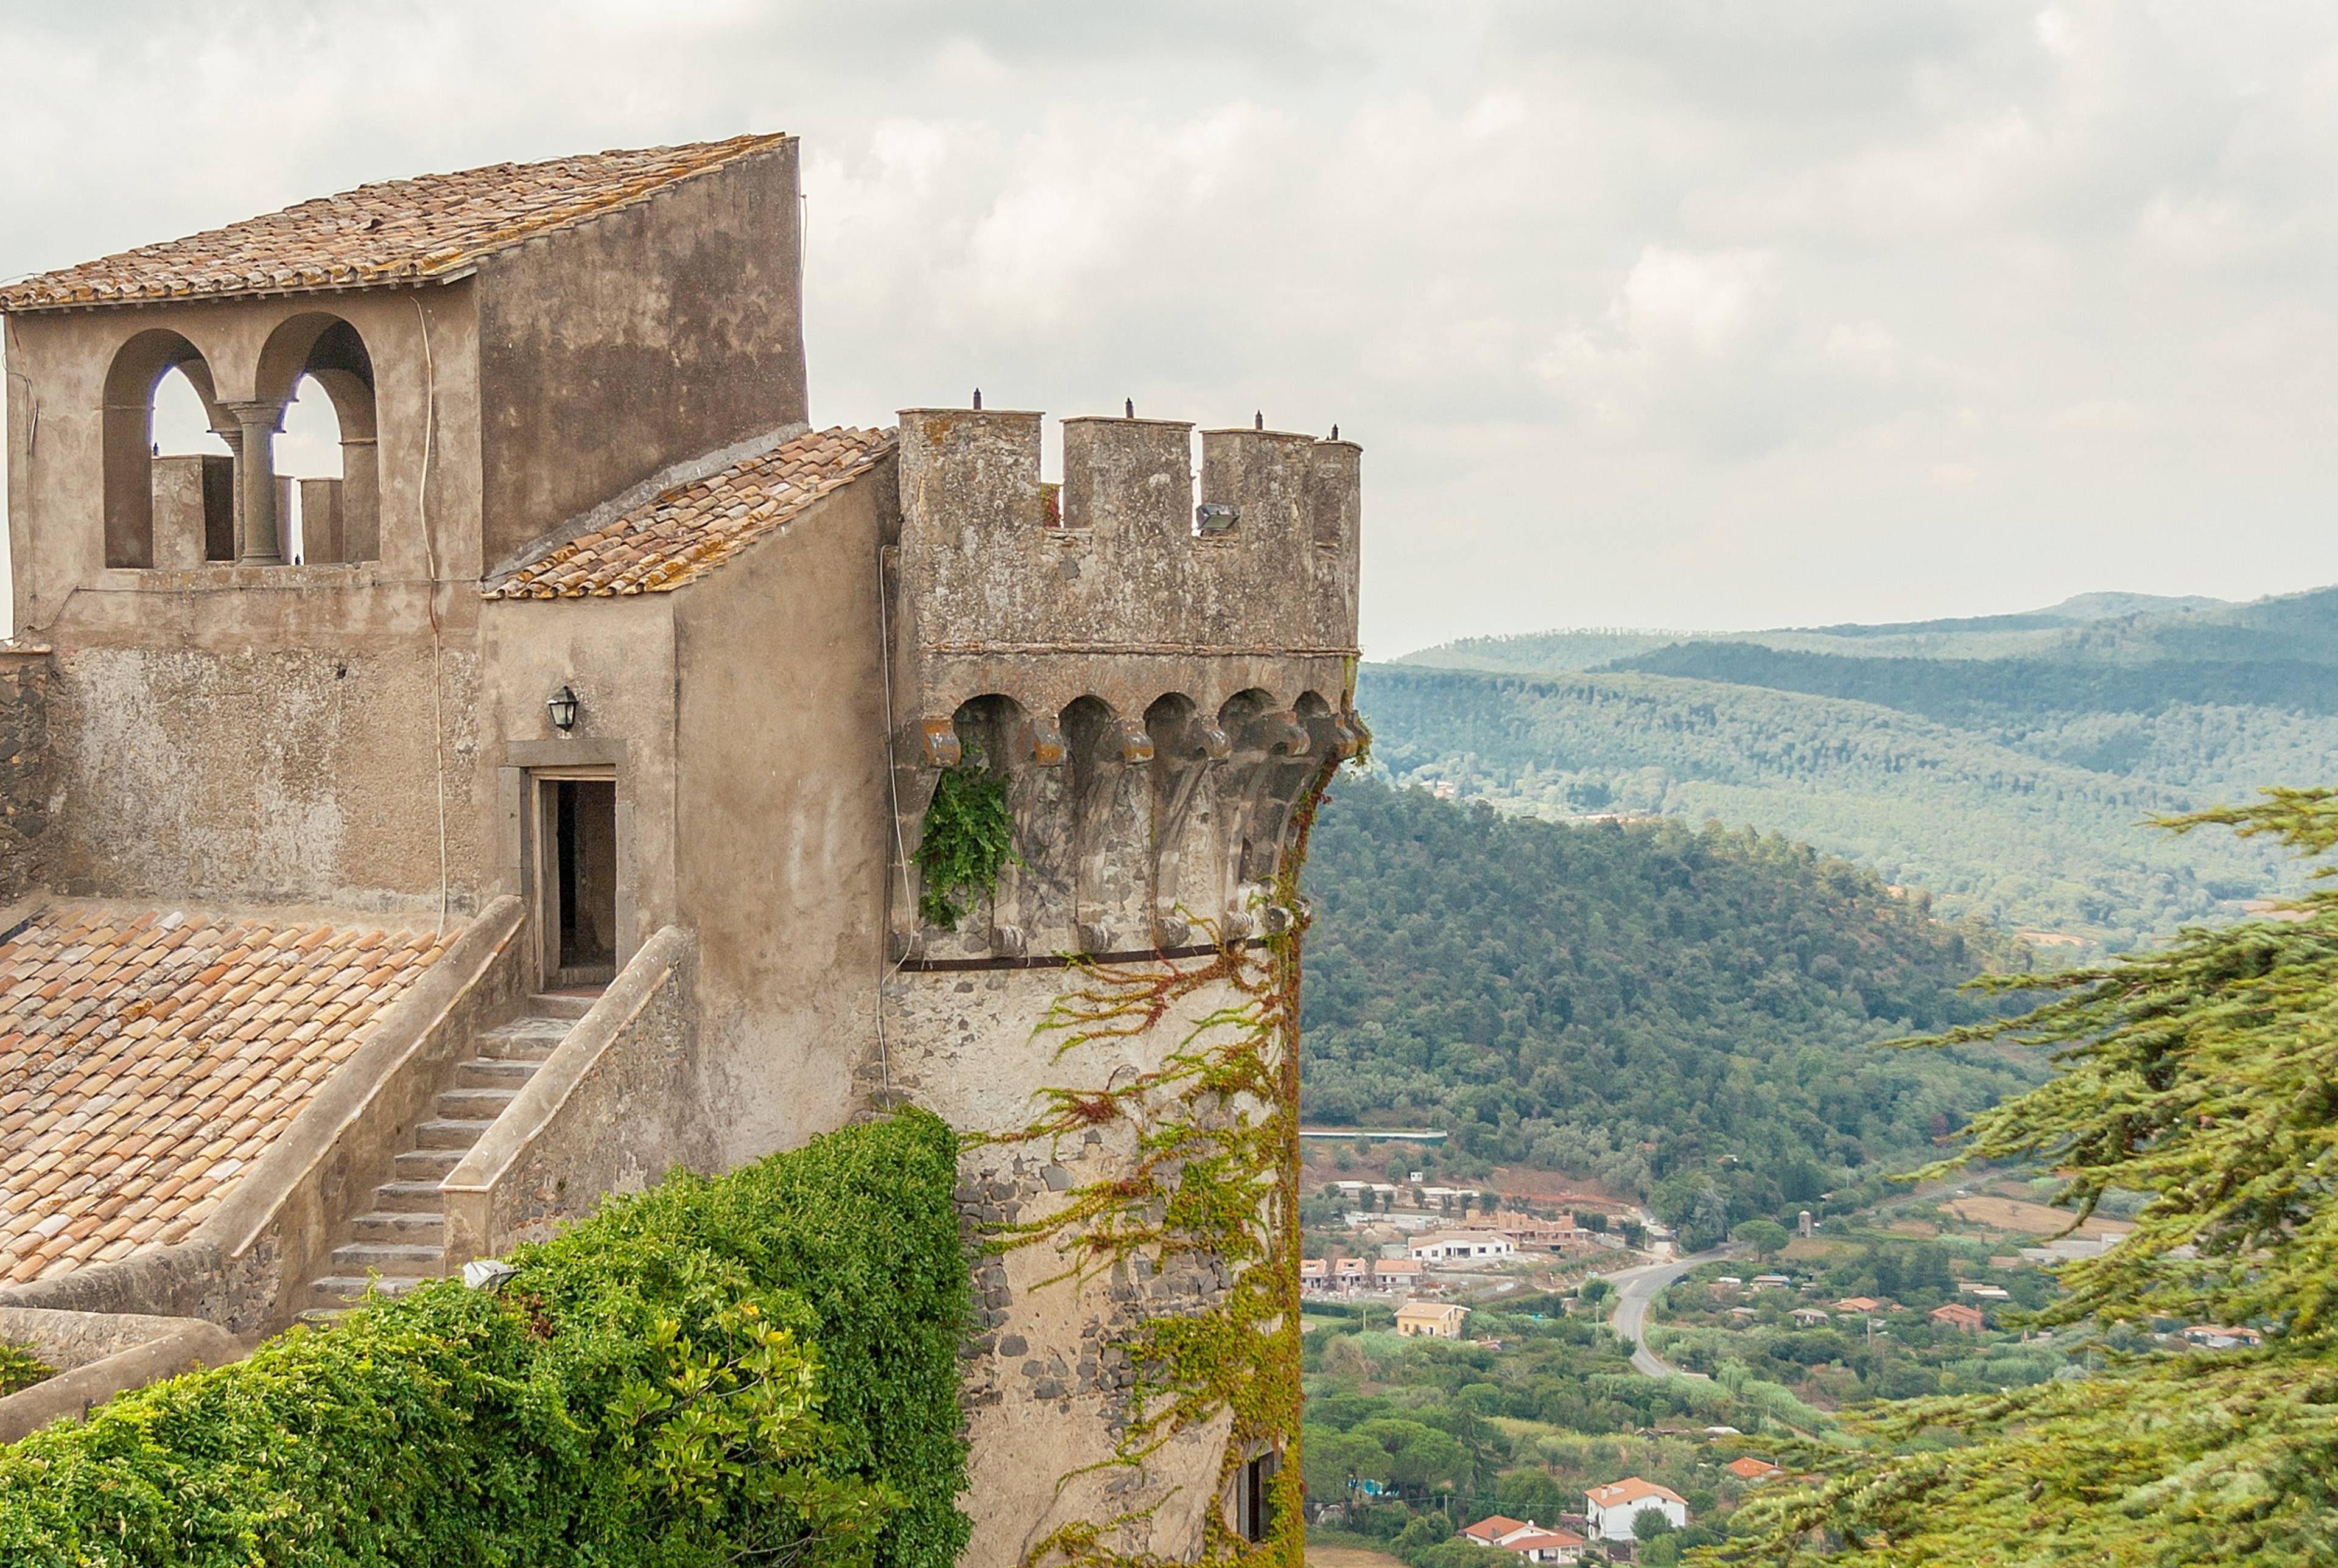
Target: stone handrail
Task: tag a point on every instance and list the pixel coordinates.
(99, 1355)
(608, 1111)
(246, 1266)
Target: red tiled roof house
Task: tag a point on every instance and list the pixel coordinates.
(1614, 1510)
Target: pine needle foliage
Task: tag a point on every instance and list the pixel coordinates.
(759, 1368)
(2205, 1077)
(969, 837)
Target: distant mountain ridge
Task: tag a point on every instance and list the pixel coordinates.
(2004, 763)
(2076, 611)
(2105, 627)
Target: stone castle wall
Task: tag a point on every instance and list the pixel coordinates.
(1049, 1376)
(1155, 666)
(24, 773)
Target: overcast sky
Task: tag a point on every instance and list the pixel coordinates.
(1647, 314)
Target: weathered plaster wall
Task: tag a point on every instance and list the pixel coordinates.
(642, 338)
(252, 735)
(618, 656)
(233, 770)
(1046, 1393)
(783, 837)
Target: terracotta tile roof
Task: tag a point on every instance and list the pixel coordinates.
(694, 527)
(1493, 1527)
(1631, 1489)
(148, 1059)
(1544, 1540)
(1430, 1311)
(397, 232)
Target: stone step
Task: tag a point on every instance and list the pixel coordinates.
(429, 1165)
(449, 1132)
(408, 1197)
(527, 1039)
(495, 1072)
(474, 1104)
(339, 1290)
(389, 1259)
(420, 1226)
(562, 1005)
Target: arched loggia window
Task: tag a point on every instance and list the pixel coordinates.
(321, 361)
(194, 484)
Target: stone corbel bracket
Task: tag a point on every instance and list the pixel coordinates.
(1131, 835)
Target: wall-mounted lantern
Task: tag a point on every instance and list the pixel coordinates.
(562, 706)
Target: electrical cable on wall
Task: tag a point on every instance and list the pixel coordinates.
(430, 599)
(900, 843)
(32, 435)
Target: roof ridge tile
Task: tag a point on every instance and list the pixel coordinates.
(408, 230)
(690, 528)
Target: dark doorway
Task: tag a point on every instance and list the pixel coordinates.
(580, 874)
(1254, 1497)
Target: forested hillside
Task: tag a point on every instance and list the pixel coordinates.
(1624, 1002)
(2002, 762)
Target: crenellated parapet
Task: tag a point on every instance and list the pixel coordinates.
(1155, 660)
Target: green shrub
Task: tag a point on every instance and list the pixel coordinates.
(760, 1367)
(967, 838)
(20, 1369)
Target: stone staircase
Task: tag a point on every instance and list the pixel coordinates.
(402, 1240)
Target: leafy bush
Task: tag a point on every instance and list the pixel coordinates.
(20, 1369)
(969, 836)
(757, 1365)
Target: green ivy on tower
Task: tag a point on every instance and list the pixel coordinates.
(1215, 1179)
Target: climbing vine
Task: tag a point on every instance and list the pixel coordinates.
(1214, 1182)
(967, 839)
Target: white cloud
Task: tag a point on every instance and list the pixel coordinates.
(1693, 313)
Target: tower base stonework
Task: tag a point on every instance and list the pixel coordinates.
(1129, 1180)
(1112, 1189)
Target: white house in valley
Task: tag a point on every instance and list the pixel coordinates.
(1614, 1510)
(1460, 1246)
(1531, 1541)
(1430, 1319)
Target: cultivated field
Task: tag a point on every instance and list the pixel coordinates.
(1348, 1557)
(2012, 1214)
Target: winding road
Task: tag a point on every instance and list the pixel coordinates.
(1635, 1289)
